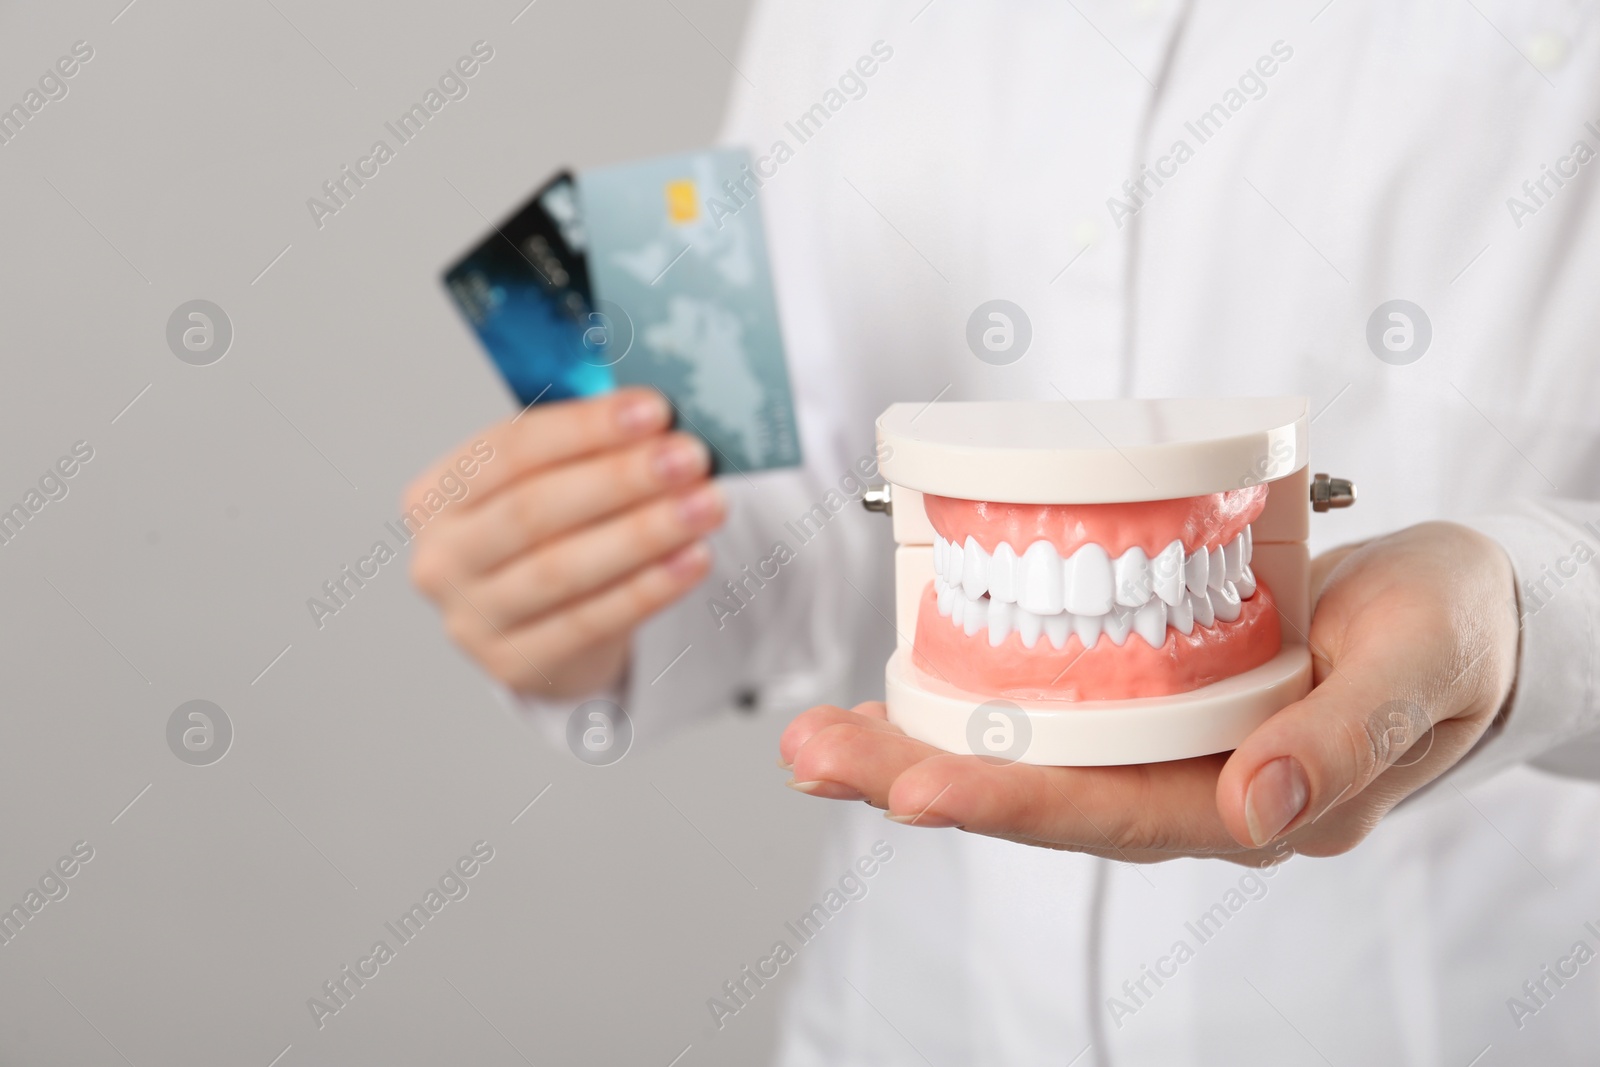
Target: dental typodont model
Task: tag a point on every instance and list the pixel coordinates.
(1099, 582)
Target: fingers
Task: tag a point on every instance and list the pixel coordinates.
(1120, 810)
(523, 657)
(568, 526)
(1132, 814)
(1420, 648)
(1380, 707)
(846, 755)
(1329, 751)
(1324, 565)
(521, 515)
(873, 715)
(550, 434)
(573, 567)
(857, 760)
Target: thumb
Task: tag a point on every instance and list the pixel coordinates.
(1415, 652)
(1362, 718)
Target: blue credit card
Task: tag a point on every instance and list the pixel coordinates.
(525, 291)
(655, 273)
(678, 262)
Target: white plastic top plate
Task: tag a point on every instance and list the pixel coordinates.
(1092, 451)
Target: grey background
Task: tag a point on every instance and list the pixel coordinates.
(370, 756)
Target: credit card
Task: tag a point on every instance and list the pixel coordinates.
(677, 257)
(525, 291)
(649, 273)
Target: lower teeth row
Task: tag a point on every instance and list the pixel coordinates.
(1150, 620)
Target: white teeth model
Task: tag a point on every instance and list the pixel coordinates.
(1039, 594)
(1003, 569)
(1246, 583)
(1087, 627)
(1233, 559)
(1039, 586)
(1090, 581)
(1225, 603)
(976, 616)
(1167, 570)
(1029, 626)
(1133, 579)
(1181, 616)
(1000, 614)
(1194, 571)
(974, 570)
(1150, 622)
(1117, 624)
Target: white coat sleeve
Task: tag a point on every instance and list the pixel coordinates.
(1553, 720)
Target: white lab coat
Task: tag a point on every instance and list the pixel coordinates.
(1375, 164)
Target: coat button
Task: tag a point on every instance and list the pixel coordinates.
(1546, 50)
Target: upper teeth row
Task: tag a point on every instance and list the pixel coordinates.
(1090, 582)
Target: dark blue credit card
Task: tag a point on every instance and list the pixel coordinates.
(650, 273)
(525, 291)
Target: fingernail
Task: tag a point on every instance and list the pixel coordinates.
(688, 560)
(678, 459)
(932, 822)
(1275, 796)
(782, 766)
(643, 413)
(829, 790)
(701, 507)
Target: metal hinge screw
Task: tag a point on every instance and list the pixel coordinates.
(1329, 492)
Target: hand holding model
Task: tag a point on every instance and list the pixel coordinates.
(590, 519)
(1414, 645)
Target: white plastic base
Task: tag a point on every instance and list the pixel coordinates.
(1103, 733)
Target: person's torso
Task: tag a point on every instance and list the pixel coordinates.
(1314, 163)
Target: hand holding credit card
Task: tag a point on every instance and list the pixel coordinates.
(639, 274)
